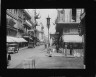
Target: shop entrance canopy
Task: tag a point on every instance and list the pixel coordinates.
(72, 38)
(9, 39)
(15, 39)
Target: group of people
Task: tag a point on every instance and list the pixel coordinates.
(65, 46)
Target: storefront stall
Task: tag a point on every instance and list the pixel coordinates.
(75, 40)
(13, 43)
(73, 43)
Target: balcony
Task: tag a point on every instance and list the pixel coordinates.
(13, 15)
(26, 14)
(27, 24)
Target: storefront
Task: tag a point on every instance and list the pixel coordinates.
(19, 41)
(75, 40)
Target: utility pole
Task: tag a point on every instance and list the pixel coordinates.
(48, 25)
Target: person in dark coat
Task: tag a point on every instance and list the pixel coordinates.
(71, 50)
(9, 58)
(45, 46)
(57, 48)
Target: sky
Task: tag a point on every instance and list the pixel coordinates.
(44, 14)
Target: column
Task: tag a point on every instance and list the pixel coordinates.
(67, 15)
(78, 12)
(70, 15)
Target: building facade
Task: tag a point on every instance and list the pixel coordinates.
(27, 23)
(69, 22)
(16, 19)
(69, 15)
(13, 21)
(34, 32)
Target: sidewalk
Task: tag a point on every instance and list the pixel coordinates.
(77, 53)
(23, 48)
(58, 60)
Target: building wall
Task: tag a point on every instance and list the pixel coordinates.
(65, 15)
(68, 19)
(17, 16)
(10, 15)
(32, 14)
(78, 12)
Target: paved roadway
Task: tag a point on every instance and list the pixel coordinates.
(43, 61)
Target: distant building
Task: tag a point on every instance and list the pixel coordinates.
(27, 22)
(34, 16)
(40, 32)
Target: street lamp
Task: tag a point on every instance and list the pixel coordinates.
(48, 25)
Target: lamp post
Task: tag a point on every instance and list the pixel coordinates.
(48, 25)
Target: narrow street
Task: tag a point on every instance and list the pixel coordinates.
(42, 61)
(23, 54)
(60, 31)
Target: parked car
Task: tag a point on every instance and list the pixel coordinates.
(12, 48)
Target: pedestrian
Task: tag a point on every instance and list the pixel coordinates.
(9, 58)
(45, 46)
(65, 50)
(71, 50)
(49, 52)
(57, 48)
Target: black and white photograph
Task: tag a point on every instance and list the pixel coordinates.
(45, 38)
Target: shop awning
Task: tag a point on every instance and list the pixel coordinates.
(9, 39)
(72, 38)
(17, 39)
(22, 40)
